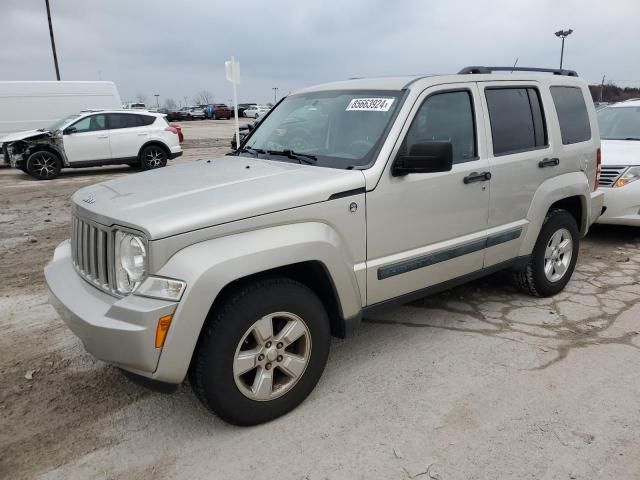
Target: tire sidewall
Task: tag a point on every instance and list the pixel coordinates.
(555, 222)
(216, 354)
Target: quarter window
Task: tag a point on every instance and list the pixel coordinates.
(517, 119)
(447, 117)
(91, 123)
(572, 114)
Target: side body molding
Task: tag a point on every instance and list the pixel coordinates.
(209, 266)
(573, 184)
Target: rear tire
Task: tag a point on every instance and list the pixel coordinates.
(246, 368)
(43, 165)
(554, 256)
(152, 157)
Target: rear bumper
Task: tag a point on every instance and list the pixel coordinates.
(120, 331)
(622, 205)
(175, 155)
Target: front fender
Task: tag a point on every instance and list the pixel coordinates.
(209, 266)
(573, 184)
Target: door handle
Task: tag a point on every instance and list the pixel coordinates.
(549, 162)
(142, 134)
(477, 177)
(102, 136)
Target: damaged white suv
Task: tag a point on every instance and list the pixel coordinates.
(347, 197)
(94, 138)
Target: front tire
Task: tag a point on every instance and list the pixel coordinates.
(44, 165)
(153, 157)
(261, 352)
(554, 256)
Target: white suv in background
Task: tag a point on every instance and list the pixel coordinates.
(620, 136)
(94, 138)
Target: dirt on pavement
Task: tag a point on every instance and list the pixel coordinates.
(478, 382)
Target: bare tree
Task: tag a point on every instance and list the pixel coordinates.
(204, 97)
(141, 98)
(186, 101)
(170, 104)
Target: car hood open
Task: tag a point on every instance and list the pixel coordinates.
(201, 194)
(620, 152)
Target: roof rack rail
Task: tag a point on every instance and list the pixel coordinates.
(555, 71)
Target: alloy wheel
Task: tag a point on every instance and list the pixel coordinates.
(153, 157)
(557, 255)
(44, 165)
(272, 356)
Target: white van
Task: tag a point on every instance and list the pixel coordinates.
(31, 105)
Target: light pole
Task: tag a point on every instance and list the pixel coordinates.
(53, 43)
(563, 34)
(157, 95)
(275, 95)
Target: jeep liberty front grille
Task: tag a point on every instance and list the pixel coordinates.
(92, 252)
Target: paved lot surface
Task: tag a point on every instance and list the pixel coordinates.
(479, 382)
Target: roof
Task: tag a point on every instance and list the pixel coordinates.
(401, 82)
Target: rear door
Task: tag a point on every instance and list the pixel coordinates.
(128, 133)
(87, 140)
(521, 158)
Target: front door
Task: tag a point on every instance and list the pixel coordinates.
(87, 140)
(427, 228)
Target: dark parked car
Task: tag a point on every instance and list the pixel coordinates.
(220, 111)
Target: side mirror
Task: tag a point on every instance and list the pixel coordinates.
(69, 131)
(425, 157)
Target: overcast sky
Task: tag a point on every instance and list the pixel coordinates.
(177, 49)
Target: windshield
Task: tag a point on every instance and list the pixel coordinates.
(61, 123)
(338, 128)
(619, 123)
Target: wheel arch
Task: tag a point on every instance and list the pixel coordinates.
(310, 253)
(160, 144)
(570, 192)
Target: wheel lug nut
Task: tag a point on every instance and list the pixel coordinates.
(260, 357)
(268, 345)
(280, 345)
(279, 358)
(268, 366)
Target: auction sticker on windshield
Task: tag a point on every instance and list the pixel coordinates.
(370, 104)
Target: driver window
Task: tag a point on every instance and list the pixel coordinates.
(90, 124)
(445, 117)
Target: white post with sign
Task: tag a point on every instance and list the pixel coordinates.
(232, 69)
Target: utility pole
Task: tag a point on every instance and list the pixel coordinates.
(601, 88)
(157, 95)
(53, 43)
(275, 95)
(563, 34)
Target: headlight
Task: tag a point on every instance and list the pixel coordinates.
(630, 175)
(131, 262)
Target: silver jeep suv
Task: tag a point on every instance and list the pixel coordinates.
(348, 197)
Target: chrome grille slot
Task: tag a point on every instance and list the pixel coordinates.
(92, 253)
(609, 175)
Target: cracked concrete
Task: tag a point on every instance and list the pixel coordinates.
(480, 382)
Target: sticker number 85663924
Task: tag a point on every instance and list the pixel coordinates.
(370, 104)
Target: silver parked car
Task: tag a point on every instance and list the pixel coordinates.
(347, 198)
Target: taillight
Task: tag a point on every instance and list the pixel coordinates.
(598, 168)
(171, 129)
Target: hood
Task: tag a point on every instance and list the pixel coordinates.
(12, 137)
(620, 152)
(201, 194)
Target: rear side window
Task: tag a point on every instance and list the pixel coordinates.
(122, 120)
(145, 120)
(448, 117)
(517, 119)
(572, 114)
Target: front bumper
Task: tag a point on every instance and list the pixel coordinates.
(622, 205)
(120, 331)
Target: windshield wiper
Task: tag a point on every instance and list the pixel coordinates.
(252, 151)
(308, 159)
